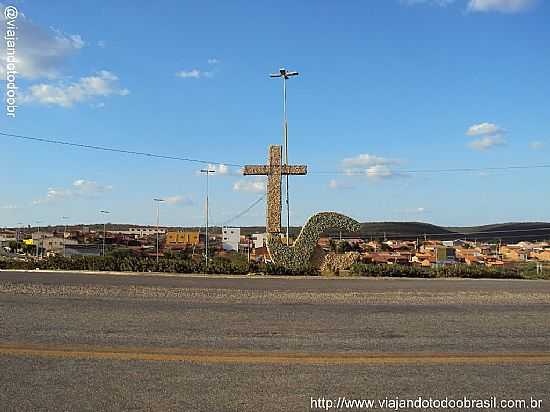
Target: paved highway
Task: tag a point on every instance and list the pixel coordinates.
(105, 342)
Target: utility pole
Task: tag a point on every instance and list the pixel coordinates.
(64, 218)
(207, 171)
(18, 231)
(158, 221)
(37, 236)
(106, 212)
(285, 75)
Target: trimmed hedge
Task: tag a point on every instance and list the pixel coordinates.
(225, 266)
(144, 264)
(447, 271)
(298, 256)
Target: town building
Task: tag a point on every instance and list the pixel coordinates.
(175, 240)
(231, 237)
(140, 232)
(445, 255)
(6, 237)
(259, 240)
(56, 244)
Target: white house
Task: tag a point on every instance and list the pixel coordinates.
(231, 237)
(259, 239)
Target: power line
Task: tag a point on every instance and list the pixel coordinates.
(244, 212)
(454, 170)
(111, 149)
(200, 161)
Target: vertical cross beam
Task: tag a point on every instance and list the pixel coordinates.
(273, 218)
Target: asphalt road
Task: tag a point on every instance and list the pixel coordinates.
(103, 342)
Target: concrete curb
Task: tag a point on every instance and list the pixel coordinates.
(218, 276)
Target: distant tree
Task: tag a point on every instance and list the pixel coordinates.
(120, 253)
(29, 249)
(13, 245)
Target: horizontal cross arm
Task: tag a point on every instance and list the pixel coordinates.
(294, 170)
(256, 170)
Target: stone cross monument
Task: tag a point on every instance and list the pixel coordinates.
(298, 256)
(274, 170)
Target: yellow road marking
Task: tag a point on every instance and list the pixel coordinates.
(334, 358)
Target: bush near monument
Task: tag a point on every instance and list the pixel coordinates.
(448, 271)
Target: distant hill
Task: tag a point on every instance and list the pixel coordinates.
(506, 232)
(402, 229)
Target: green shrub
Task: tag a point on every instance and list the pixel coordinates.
(219, 265)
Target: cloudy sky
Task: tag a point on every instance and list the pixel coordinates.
(390, 93)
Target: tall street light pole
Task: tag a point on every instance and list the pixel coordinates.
(38, 235)
(207, 171)
(106, 212)
(158, 222)
(285, 75)
(64, 218)
(19, 230)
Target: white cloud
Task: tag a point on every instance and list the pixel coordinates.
(193, 74)
(503, 6)
(372, 166)
(441, 3)
(536, 145)
(102, 84)
(41, 53)
(221, 170)
(487, 142)
(488, 135)
(379, 172)
(483, 129)
(53, 194)
(480, 6)
(213, 61)
(415, 210)
(338, 185)
(9, 207)
(89, 187)
(367, 160)
(79, 188)
(178, 200)
(254, 186)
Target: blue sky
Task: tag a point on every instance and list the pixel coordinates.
(385, 87)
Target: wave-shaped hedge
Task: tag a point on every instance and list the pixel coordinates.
(298, 256)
